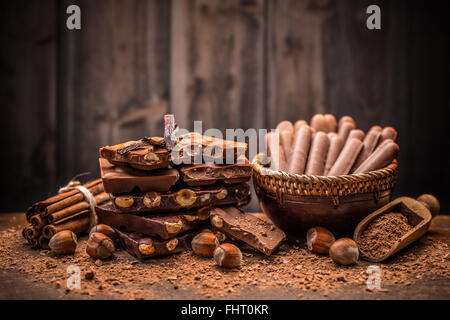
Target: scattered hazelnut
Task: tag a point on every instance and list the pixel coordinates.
(344, 251)
(186, 197)
(222, 194)
(227, 255)
(204, 244)
(152, 199)
(319, 240)
(105, 229)
(124, 201)
(172, 244)
(217, 221)
(99, 246)
(174, 227)
(146, 246)
(203, 213)
(63, 242)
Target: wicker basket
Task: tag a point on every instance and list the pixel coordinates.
(296, 203)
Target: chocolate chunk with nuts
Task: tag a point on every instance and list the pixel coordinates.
(164, 226)
(185, 198)
(142, 246)
(257, 233)
(138, 154)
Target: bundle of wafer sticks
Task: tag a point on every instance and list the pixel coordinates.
(325, 147)
(67, 210)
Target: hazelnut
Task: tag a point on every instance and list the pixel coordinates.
(146, 246)
(222, 194)
(99, 246)
(172, 244)
(151, 156)
(344, 251)
(319, 240)
(221, 236)
(204, 244)
(190, 217)
(205, 197)
(152, 199)
(216, 221)
(186, 197)
(203, 213)
(124, 201)
(63, 242)
(174, 227)
(227, 255)
(105, 229)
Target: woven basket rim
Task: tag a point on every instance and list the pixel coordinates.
(326, 180)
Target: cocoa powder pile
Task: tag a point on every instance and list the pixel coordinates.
(293, 267)
(382, 233)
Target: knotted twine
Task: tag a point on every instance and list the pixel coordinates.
(88, 196)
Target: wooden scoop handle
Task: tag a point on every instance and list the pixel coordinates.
(431, 203)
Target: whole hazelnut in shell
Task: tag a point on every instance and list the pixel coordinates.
(344, 251)
(100, 246)
(204, 244)
(105, 229)
(227, 255)
(63, 242)
(319, 240)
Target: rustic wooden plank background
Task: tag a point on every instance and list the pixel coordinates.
(233, 64)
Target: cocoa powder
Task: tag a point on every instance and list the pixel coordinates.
(292, 267)
(382, 233)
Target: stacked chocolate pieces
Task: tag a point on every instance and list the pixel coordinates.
(159, 202)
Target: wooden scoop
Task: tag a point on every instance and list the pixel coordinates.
(418, 212)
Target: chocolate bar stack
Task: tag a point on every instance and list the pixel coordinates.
(158, 201)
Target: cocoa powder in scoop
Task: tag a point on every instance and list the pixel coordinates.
(382, 233)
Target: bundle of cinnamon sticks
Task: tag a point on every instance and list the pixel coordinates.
(64, 211)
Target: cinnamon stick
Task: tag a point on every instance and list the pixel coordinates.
(77, 225)
(30, 232)
(72, 200)
(38, 222)
(76, 208)
(43, 242)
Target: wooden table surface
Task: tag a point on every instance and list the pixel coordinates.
(19, 285)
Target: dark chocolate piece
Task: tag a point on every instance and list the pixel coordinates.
(156, 141)
(194, 148)
(164, 226)
(257, 233)
(119, 179)
(206, 174)
(137, 154)
(186, 198)
(144, 247)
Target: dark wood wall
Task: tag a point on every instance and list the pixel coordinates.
(233, 64)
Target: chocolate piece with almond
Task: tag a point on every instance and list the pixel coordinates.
(185, 198)
(164, 226)
(257, 233)
(140, 154)
(144, 247)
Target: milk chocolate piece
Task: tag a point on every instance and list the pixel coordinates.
(140, 154)
(194, 148)
(207, 174)
(164, 226)
(257, 233)
(119, 179)
(144, 247)
(186, 198)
